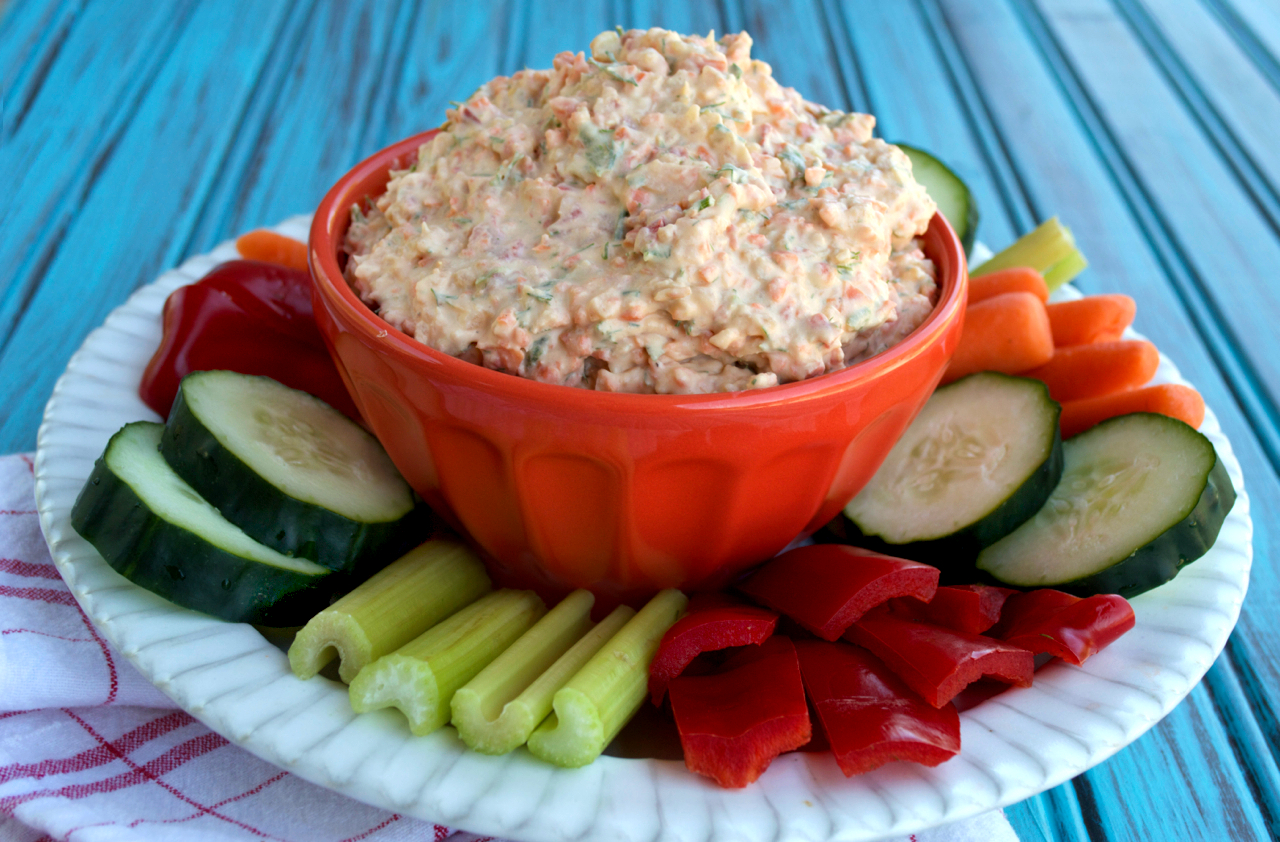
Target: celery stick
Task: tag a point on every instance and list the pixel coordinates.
(1047, 247)
(1065, 269)
(593, 706)
(482, 710)
(394, 606)
(488, 714)
(421, 677)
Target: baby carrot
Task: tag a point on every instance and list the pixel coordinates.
(270, 247)
(1094, 318)
(1007, 333)
(1089, 371)
(1172, 399)
(1015, 279)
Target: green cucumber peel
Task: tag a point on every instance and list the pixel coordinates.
(1142, 496)
(159, 533)
(291, 471)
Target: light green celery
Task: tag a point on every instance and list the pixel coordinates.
(391, 608)
(421, 677)
(600, 698)
(483, 710)
(1047, 247)
(489, 715)
(1065, 269)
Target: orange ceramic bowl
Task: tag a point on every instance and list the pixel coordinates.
(619, 493)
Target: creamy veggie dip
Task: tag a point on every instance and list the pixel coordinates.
(659, 216)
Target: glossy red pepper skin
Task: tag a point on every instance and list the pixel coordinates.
(964, 608)
(1063, 625)
(712, 622)
(870, 717)
(245, 316)
(938, 663)
(733, 722)
(827, 587)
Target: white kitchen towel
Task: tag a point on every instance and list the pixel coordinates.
(89, 750)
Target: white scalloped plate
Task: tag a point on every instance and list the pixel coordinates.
(1015, 745)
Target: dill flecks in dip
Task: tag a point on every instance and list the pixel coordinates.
(660, 216)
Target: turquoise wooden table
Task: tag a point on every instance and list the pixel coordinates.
(133, 135)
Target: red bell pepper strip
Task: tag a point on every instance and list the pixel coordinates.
(733, 722)
(869, 715)
(965, 608)
(245, 316)
(1063, 625)
(827, 587)
(712, 622)
(938, 663)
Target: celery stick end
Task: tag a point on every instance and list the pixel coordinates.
(1065, 270)
(490, 736)
(573, 735)
(404, 683)
(327, 634)
(307, 661)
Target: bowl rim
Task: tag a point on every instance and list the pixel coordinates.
(329, 226)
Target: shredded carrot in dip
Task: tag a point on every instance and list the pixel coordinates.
(659, 216)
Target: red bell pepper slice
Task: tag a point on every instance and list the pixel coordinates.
(733, 722)
(1063, 625)
(827, 587)
(938, 663)
(245, 316)
(713, 622)
(965, 608)
(869, 715)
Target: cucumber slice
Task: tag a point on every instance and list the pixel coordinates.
(158, 533)
(980, 458)
(290, 470)
(1141, 497)
(948, 190)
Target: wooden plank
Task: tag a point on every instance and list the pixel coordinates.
(452, 52)
(1052, 816)
(226, 196)
(1128, 798)
(1256, 27)
(795, 37)
(734, 16)
(1237, 88)
(55, 154)
(678, 16)
(1064, 167)
(550, 28)
(308, 122)
(1229, 99)
(140, 195)
(1251, 746)
(31, 37)
(432, 53)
